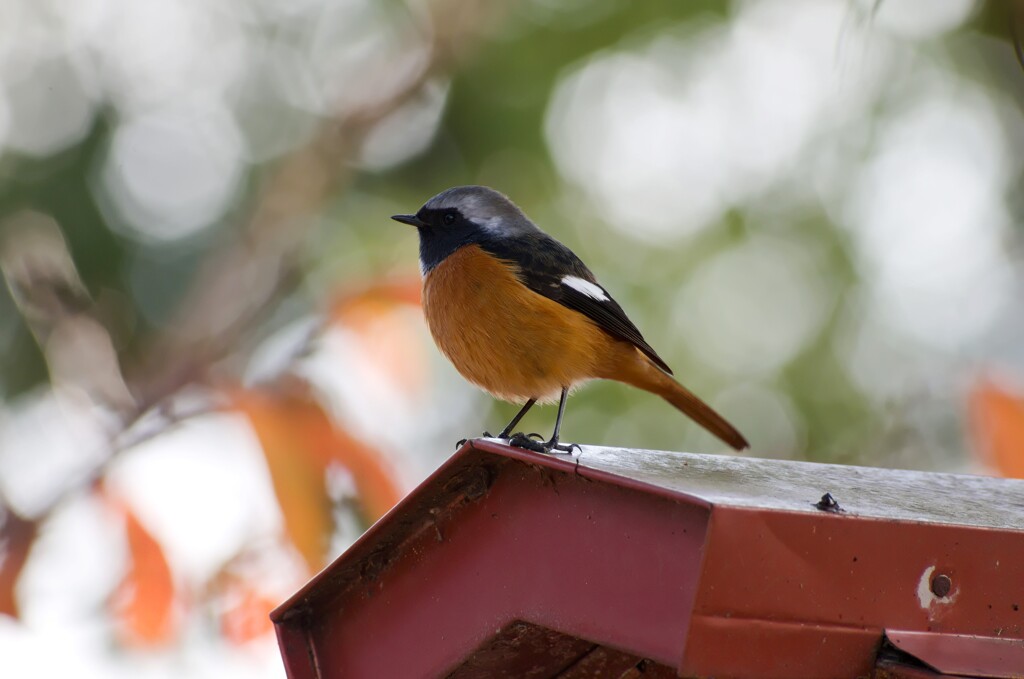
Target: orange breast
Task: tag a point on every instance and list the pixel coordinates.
(505, 338)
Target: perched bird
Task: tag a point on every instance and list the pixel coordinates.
(521, 317)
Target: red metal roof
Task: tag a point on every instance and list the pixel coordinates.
(510, 563)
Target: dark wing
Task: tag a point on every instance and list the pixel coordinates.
(543, 265)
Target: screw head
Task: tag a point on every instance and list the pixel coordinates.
(941, 584)
(827, 503)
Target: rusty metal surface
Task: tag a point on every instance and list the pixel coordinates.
(665, 557)
(775, 649)
(603, 662)
(894, 669)
(533, 542)
(962, 654)
(521, 650)
(839, 570)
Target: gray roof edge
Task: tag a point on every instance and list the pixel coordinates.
(789, 485)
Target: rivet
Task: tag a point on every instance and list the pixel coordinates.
(941, 584)
(827, 503)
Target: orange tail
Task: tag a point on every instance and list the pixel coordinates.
(640, 372)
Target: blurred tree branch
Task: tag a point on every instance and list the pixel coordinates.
(236, 284)
(58, 310)
(1016, 29)
(243, 279)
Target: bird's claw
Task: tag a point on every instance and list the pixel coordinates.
(462, 442)
(537, 444)
(521, 440)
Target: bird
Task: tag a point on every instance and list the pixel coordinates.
(520, 316)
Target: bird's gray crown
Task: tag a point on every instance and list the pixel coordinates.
(484, 207)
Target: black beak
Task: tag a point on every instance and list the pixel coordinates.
(412, 220)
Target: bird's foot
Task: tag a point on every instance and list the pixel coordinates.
(537, 444)
(565, 447)
(462, 442)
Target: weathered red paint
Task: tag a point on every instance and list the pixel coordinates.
(712, 566)
(963, 654)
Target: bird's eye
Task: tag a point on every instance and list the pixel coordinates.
(449, 218)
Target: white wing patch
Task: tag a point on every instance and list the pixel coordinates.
(589, 289)
(493, 224)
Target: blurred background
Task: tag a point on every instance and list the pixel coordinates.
(214, 373)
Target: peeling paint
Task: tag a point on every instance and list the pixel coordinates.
(924, 588)
(929, 601)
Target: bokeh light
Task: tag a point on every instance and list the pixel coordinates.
(929, 217)
(669, 135)
(212, 361)
(170, 173)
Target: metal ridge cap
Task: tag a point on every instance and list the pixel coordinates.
(790, 485)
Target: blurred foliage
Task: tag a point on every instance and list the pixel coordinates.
(200, 232)
(997, 426)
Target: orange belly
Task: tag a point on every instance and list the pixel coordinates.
(504, 337)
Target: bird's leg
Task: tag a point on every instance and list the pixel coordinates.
(507, 430)
(523, 441)
(515, 420)
(553, 443)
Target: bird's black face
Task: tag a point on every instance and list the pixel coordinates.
(442, 232)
